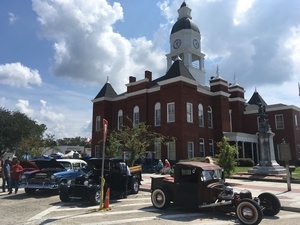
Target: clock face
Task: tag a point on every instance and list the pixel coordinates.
(176, 43)
(196, 43)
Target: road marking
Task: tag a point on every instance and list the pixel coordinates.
(44, 213)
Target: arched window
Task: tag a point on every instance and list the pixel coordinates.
(136, 116)
(120, 119)
(157, 115)
(200, 115)
(209, 117)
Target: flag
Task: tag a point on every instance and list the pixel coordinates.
(105, 124)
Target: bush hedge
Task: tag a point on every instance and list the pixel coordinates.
(246, 162)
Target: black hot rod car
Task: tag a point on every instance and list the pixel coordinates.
(87, 186)
(198, 184)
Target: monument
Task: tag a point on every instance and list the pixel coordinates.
(267, 163)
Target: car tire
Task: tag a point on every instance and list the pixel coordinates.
(248, 212)
(160, 198)
(269, 203)
(95, 196)
(30, 191)
(64, 195)
(135, 186)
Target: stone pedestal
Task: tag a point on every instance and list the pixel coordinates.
(267, 164)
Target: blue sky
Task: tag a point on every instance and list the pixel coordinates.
(55, 55)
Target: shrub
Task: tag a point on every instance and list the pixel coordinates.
(245, 162)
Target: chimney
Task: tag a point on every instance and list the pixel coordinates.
(148, 75)
(132, 79)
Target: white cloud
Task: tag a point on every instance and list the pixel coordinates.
(23, 107)
(12, 18)
(18, 75)
(86, 47)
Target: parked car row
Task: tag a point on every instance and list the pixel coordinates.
(43, 174)
(78, 179)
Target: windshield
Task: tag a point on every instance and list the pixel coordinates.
(211, 174)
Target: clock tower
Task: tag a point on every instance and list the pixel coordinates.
(185, 42)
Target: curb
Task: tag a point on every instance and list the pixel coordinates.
(290, 209)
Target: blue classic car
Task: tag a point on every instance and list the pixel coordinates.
(49, 174)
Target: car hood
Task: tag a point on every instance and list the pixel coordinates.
(28, 166)
(47, 163)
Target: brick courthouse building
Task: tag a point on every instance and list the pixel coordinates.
(179, 104)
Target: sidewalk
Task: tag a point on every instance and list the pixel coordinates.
(290, 200)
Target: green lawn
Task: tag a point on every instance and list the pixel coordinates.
(295, 174)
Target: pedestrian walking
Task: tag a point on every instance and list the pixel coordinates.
(6, 180)
(16, 173)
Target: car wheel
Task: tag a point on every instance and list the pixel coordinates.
(64, 195)
(95, 196)
(135, 186)
(248, 212)
(270, 204)
(160, 198)
(30, 191)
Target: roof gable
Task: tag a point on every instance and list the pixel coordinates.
(177, 69)
(106, 91)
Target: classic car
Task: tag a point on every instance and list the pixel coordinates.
(201, 185)
(87, 186)
(48, 174)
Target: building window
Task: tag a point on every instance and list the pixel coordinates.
(157, 116)
(211, 147)
(171, 150)
(97, 151)
(200, 115)
(136, 116)
(209, 117)
(171, 112)
(190, 148)
(279, 121)
(230, 119)
(120, 120)
(202, 147)
(296, 121)
(189, 112)
(98, 123)
(157, 149)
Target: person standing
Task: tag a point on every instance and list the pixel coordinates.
(6, 181)
(167, 167)
(16, 173)
(126, 174)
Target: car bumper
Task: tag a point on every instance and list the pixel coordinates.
(40, 186)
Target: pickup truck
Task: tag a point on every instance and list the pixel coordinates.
(87, 186)
(202, 185)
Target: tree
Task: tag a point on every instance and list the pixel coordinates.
(134, 140)
(16, 129)
(226, 156)
(77, 141)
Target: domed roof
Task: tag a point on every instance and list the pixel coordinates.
(184, 23)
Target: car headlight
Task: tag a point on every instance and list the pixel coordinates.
(86, 183)
(23, 177)
(52, 177)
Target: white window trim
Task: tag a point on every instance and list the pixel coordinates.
(170, 113)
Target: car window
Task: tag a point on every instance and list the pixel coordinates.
(76, 166)
(211, 174)
(67, 165)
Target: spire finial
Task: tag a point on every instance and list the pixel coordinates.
(107, 80)
(218, 72)
(234, 79)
